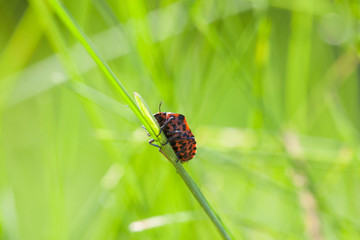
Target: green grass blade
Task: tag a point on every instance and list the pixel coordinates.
(76, 30)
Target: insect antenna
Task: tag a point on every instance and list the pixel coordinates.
(160, 105)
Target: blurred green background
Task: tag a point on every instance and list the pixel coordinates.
(270, 89)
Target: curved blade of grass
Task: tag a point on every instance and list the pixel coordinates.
(171, 156)
(76, 30)
(142, 113)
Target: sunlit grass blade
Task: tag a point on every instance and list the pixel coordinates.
(76, 30)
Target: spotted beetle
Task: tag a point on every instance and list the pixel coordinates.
(178, 134)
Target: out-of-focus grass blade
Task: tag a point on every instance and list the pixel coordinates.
(101, 99)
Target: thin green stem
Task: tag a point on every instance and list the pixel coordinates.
(77, 31)
(202, 201)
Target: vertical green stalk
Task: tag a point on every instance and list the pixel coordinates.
(142, 113)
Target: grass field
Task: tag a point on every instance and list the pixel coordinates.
(270, 89)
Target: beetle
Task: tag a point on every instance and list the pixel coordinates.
(178, 134)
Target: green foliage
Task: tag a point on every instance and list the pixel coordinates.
(270, 90)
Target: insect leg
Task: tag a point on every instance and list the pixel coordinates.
(173, 132)
(151, 143)
(146, 130)
(160, 106)
(171, 138)
(165, 124)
